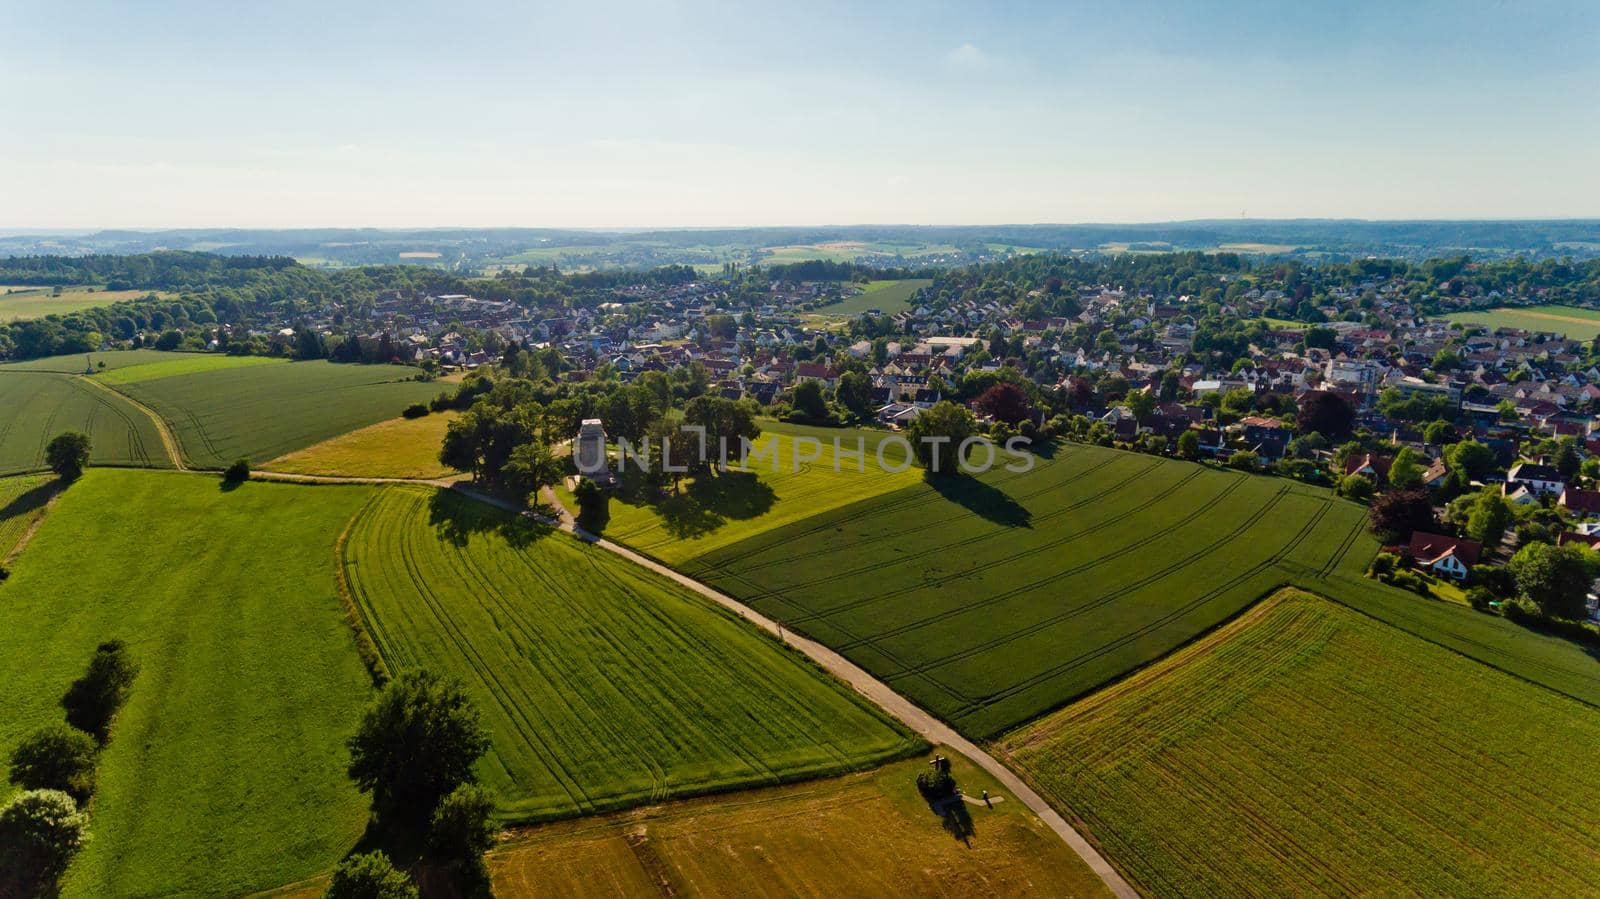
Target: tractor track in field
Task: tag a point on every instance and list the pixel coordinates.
(168, 440)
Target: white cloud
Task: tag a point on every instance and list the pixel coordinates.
(968, 57)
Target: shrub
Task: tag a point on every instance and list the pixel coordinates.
(1384, 563)
(68, 454)
(1244, 460)
(237, 473)
(40, 832)
(936, 784)
(4, 572)
(93, 699)
(56, 757)
(369, 876)
(440, 403)
(1481, 598)
(415, 410)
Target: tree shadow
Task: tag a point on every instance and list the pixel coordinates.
(31, 501)
(981, 499)
(710, 501)
(954, 817)
(455, 518)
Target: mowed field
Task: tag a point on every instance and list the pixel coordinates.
(602, 684)
(888, 297)
(397, 448)
(22, 503)
(260, 412)
(709, 513)
(35, 406)
(992, 600)
(21, 303)
(1307, 749)
(225, 773)
(1575, 322)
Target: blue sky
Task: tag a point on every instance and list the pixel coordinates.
(283, 114)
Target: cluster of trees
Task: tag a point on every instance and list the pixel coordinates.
(414, 752)
(44, 826)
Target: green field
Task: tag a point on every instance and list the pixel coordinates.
(180, 364)
(713, 512)
(1575, 322)
(888, 297)
(260, 412)
(20, 303)
(397, 448)
(22, 502)
(39, 405)
(75, 364)
(992, 600)
(225, 773)
(603, 685)
(1310, 750)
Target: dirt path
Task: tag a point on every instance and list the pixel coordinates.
(33, 527)
(168, 439)
(287, 477)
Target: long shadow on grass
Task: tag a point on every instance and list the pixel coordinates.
(31, 501)
(456, 518)
(711, 501)
(954, 817)
(981, 499)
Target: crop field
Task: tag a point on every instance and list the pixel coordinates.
(21, 303)
(75, 363)
(225, 773)
(397, 448)
(39, 405)
(888, 297)
(1035, 587)
(1325, 753)
(1575, 322)
(22, 503)
(260, 412)
(714, 512)
(602, 684)
(864, 834)
(180, 364)
(992, 600)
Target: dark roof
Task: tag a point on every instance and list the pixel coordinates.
(1529, 471)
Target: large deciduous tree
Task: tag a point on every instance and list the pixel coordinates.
(1396, 514)
(1556, 578)
(416, 743)
(1326, 413)
(936, 436)
(68, 455)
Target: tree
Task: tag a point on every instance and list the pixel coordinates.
(1141, 403)
(727, 424)
(92, 701)
(1005, 402)
(1189, 445)
(855, 393)
(1488, 516)
(1439, 433)
(40, 832)
(531, 468)
(463, 825)
(1244, 460)
(1395, 514)
(1556, 578)
(1472, 457)
(416, 743)
(937, 433)
(238, 472)
(1327, 413)
(55, 757)
(1358, 487)
(1566, 459)
(68, 455)
(369, 876)
(1405, 472)
(809, 401)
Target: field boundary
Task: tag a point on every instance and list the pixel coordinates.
(376, 667)
(168, 439)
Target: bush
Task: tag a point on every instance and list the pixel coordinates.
(1481, 598)
(4, 572)
(40, 832)
(936, 784)
(1243, 460)
(237, 473)
(93, 700)
(440, 403)
(56, 757)
(415, 410)
(1384, 564)
(369, 876)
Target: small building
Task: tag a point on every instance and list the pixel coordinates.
(1537, 478)
(1450, 557)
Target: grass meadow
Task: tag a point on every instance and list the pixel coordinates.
(75, 363)
(225, 773)
(1327, 754)
(260, 412)
(397, 448)
(994, 599)
(180, 364)
(709, 513)
(888, 297)
(1575, 322)
(603, 685)
(22, 503)
(38, 405)
(24, 302)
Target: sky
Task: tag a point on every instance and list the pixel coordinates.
(657, 114)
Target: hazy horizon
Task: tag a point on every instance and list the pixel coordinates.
(654, 116)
